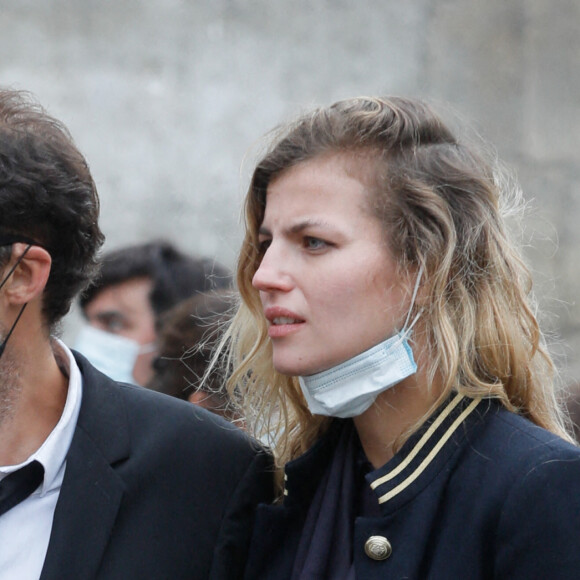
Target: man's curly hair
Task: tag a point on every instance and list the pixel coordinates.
(47, 194)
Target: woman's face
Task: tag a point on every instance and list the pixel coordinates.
(327, 280)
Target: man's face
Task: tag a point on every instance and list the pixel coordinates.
(125, 309)
(10, 386)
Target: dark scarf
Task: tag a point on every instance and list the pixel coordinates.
(325, 548)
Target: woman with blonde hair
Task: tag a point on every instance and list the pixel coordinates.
(386, 342)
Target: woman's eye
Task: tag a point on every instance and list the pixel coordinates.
(314, 243)
(263, 245)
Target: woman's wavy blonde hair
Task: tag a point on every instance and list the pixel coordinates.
(442, 205)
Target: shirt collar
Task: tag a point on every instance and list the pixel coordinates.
(52, 453)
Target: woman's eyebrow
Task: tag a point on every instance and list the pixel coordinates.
(297, 227)
(308, 223)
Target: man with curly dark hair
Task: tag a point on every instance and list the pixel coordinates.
(97, 479)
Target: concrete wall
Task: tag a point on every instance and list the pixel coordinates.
(167, 97)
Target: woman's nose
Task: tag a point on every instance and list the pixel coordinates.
(272, 273)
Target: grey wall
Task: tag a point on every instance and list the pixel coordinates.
(167, 97)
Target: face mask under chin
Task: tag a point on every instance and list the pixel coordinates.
(350, 388)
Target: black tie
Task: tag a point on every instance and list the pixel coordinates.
(17, 486)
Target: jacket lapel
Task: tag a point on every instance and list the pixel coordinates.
(91, 492)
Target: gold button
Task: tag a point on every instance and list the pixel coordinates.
(378, 548)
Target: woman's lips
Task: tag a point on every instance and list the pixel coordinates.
(282, 322)
(279, 330)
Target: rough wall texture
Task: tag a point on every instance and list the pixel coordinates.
(168, 97)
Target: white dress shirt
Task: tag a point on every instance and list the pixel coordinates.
(25, 529)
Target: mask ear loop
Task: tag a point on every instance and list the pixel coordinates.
(408, 327)
(20, 258)
(3, 345)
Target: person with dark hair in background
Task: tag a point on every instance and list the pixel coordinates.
(98, 480)
(187, 334)
(387, 343)
(135, 285)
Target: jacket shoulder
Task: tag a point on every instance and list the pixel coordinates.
(113, 413)
(538, 523)
(512, 435)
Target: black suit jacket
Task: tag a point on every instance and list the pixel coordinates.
(154, 488)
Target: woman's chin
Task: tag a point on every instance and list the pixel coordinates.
(292, 368)
(297, 368)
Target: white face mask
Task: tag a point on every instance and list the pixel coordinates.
(112, 354)
(350, 388)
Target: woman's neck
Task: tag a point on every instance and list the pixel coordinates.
(394, 412)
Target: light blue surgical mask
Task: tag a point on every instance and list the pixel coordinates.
(350, 388)
(112, 354)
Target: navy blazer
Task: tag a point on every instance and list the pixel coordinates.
(154, 488)
(477, 493)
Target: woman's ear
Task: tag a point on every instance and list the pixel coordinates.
(30, 276)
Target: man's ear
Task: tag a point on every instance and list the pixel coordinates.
(30, 276)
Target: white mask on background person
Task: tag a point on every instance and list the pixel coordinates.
(350, 388)
(111, 354)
